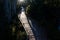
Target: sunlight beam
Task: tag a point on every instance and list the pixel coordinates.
(21, 0)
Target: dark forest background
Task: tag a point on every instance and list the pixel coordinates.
(47, 13)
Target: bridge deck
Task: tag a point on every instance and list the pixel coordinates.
(22, 17)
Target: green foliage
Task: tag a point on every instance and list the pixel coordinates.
(17, 31)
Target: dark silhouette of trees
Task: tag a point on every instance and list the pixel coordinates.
(47, 14)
